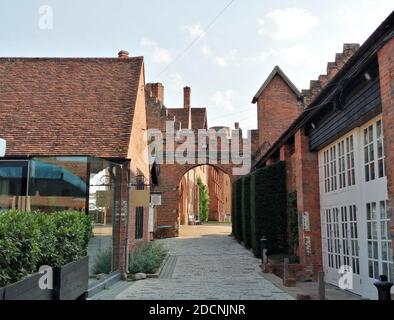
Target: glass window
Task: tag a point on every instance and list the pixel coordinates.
(13, 183)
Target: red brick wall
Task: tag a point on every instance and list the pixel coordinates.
(386, 71)
(277, 108)
(308, 200)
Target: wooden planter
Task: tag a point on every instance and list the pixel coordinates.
(71, 280)
(27, 289)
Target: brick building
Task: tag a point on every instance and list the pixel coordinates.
(75, 140)
(337, 142)
(176, 181)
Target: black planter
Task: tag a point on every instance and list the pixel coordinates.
(71, 280)
(26, 289)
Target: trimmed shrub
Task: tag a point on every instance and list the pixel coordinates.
(268, 209)
(29, 240)
(292, 222)
(103, 262)
(19, 246)
(234, 210)
(238, 210)
(246, 228)
(147, 258)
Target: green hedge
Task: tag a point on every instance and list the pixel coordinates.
(238, 210)
(246, 227)
(33, 239)
(268, 209)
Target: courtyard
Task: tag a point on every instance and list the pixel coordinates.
(204, 263)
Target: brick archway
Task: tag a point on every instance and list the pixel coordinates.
(168, 214)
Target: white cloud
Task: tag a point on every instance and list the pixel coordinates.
(295, 55)
(195, 31)
(158, 54)
(224, 100)
(220, 60)
(298, 55)
(176, 82)
(265, 55)
(288, 23)
(227, 58)
(359, 19)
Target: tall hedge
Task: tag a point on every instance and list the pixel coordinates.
(237, 210)
(246, 228)
(268, 208)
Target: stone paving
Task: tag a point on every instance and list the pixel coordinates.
(205, 263)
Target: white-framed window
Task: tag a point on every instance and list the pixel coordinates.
(339, 165)
(374, 158)
(350, 163)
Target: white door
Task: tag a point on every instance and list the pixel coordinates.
(377, 240)
(355, 226)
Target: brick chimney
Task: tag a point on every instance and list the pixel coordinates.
(123, 54)
(186, 97)
(157, 90)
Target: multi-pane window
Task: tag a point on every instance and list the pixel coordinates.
(386, 246)
(327, 185)
(373, 241)
(380, 149)
(339, 166)
(374, 157)
(333, 168)
(342, 165)
(342, 238)
(369, 154)
(350, 163)
(353, 238)
(330, 243)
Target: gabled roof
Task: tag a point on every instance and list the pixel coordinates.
(199, 118)
(277, 71)
(68, 106)
(181, 115)
(198, 115)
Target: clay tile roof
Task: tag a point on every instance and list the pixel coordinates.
(65, 106)
(199, 118)
(181, 115)
(277, 71)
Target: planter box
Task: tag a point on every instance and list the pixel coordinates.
(71, 280)
(26, 289)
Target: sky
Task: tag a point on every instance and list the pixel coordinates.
(223, 49)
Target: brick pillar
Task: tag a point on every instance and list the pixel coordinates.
(308, 202)
(121, 207)
(386, 73)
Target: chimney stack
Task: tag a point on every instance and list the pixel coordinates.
(186, 97)
(157, 90)
(123, 54)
